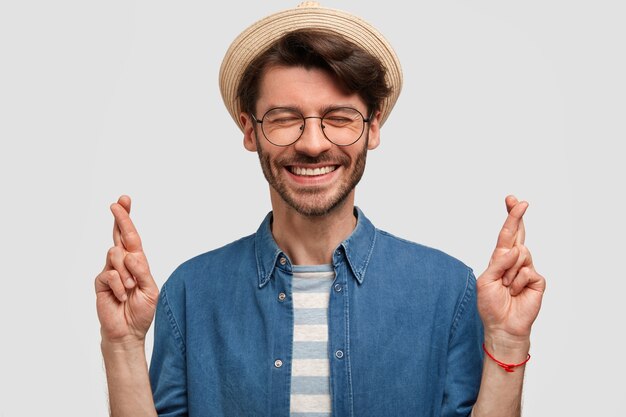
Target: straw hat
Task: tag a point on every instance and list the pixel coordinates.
(261, 35)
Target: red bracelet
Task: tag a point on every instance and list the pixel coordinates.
(509, 367)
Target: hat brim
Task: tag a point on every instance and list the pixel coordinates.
(257, 38)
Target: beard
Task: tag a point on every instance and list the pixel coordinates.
(313, 201)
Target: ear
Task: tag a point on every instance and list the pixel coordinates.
(374, 132)
(249, 140)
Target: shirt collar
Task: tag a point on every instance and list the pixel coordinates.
(357, 248)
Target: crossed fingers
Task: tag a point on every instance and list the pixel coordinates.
(125, 234)
(126, 265)
(519, 271)
(512, 232)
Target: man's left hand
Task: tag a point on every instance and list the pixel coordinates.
(510, 290)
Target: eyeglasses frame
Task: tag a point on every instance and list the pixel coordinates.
(304, 118)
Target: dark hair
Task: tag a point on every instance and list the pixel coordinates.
(355, 69)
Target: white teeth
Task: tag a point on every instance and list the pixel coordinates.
(312, 172)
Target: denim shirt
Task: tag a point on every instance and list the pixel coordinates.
(404, 334)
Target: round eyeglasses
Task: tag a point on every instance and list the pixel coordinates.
(283, 126)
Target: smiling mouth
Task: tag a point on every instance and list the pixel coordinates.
(311, 172)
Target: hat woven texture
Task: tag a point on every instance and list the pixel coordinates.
(257, 38)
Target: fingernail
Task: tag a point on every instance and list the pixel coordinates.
(124, 297)
(130, 283)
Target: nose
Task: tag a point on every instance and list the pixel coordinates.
(312, 142)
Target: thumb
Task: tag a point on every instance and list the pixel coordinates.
(501, 263)
(138, 266)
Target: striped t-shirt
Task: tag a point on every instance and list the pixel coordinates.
(310, 373)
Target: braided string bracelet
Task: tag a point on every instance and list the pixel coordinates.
(509, 367)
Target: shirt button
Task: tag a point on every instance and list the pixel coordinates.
(339, 354)
(278, 363)
(338, 287)
(282, 296)
(283, 260)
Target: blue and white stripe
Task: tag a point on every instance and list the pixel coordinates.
(310, 372)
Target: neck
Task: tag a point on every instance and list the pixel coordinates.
(312, 240)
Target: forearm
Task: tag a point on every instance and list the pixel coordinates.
(130, 394)
(500, 391)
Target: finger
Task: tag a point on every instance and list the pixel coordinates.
(129, 236)
(137, 264)
(508, 233)
(524, 259)
(111, 281)
(521, 280)
(521, 233)
(124, 201)
(117, 239)
(115, 258)
(510, 202)
(500, 264)
(536, 282)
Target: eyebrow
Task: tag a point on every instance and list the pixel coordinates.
(322, 110)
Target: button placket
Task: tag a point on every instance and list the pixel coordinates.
(339, 338)
(278, 359)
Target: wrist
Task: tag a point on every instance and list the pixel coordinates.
(122, 359)
(507, 348)
(122, 346)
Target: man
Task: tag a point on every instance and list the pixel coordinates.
(318, 313)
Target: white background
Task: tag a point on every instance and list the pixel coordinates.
(103, 98)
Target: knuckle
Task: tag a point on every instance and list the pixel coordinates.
(100, 279)
(130, 261)
(524, 251)
(525, 276)
(506, 230)
(142, 269)
(131, 235)
(539, 278)
(112, 276)
(140, 264)
(112, 252)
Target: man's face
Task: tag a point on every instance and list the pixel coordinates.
(312, 176)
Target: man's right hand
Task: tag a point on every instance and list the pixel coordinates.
(125, 290)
